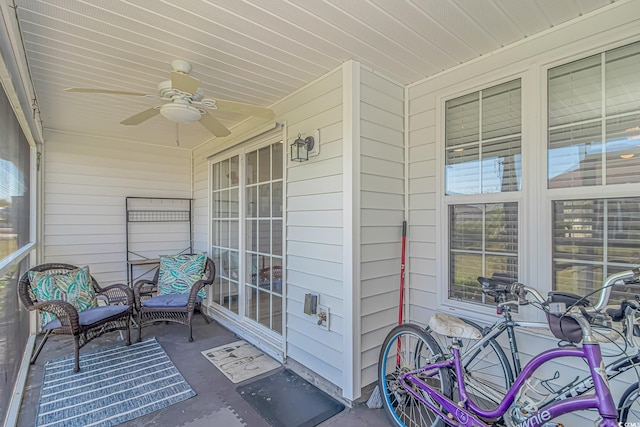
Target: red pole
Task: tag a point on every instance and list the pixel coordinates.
(401, 305)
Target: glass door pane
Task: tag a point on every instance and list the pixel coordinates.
(263, 237)
(225, 226)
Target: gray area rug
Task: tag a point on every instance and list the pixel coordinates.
(113, 386)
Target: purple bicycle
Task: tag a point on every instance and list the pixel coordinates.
(423, 386)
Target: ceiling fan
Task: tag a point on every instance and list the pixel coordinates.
(185, 102)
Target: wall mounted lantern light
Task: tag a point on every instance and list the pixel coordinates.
(301, 147)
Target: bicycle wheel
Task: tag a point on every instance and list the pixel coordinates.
(415, 347)
(487, 371)
(629, 406)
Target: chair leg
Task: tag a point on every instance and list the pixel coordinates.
(190, 332)
(139, 325)
(206, 318)
(77, 353)
(37, 352)
(129, 330)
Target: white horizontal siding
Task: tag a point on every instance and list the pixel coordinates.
(86, 181)
(382, 201)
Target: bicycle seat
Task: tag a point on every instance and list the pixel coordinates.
(451, 326)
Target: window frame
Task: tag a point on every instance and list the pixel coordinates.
(460, 307)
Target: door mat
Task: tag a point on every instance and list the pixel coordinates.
(240, 360)
(114, 385)
(285, 399)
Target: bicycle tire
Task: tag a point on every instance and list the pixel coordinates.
(401, 407)
(629, 406)
(488, 367)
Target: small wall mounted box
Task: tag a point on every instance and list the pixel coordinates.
(310, 304)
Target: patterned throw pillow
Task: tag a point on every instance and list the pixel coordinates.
(178, 273)
(74, 287)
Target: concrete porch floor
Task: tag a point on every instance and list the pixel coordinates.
(216, 403)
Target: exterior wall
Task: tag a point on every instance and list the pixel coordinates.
(427, 232)
(86, 181)
(382, 207)
(314, 234)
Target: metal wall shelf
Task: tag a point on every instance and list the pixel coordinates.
(155, 210)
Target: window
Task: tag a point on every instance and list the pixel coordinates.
(14, 182)
(482, 156)
(594, 145)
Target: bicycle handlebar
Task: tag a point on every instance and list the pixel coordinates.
(495, 286)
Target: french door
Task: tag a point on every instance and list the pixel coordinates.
(247, 235)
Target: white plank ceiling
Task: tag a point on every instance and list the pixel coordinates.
(251, 51)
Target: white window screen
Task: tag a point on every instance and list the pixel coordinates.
(593, 239)
(483, 141)
(594, 120)
(483, 241)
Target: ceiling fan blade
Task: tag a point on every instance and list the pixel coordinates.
(136, 119)
(184, 82)
(246, 109)
(105, 91)
(213, 125)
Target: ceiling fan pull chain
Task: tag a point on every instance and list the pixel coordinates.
(177, 135)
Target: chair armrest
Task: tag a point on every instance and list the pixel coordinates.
(143, 288)
(118, 294)
(64, 311)
(193, 294)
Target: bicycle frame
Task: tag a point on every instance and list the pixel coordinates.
(467, 413)
(506, 324)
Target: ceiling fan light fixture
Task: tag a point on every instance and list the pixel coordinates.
(180, 113)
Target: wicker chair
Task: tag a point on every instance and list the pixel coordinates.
(83, 326)
(179, 309)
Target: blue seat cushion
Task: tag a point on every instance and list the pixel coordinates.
(171, 300)
(93, 315)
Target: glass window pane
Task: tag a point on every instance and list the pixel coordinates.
(251, 235)
(251, 302)
(501, 227)
(251, 269)
(276, 237)
(264, 308)
(622, 68)
(623, 230)
(462, 120)
(578, 230)
(575, 91)
(264, 164)
(224, 203)
(462, 173)
(575, 156)
(464, 271)
(216, 176)
(234, 203)
(623, 149)
(224, 173)
(234, 234)
(501, 110)
(277, 160)
(264, 200)
(501, 166)
(276, 313)
(276, 205)
(483, 242)
(264, 240)
(466, 227)
(233, 297)
(234, 175)
(252, 167)
(252, 202)
(276, 265)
